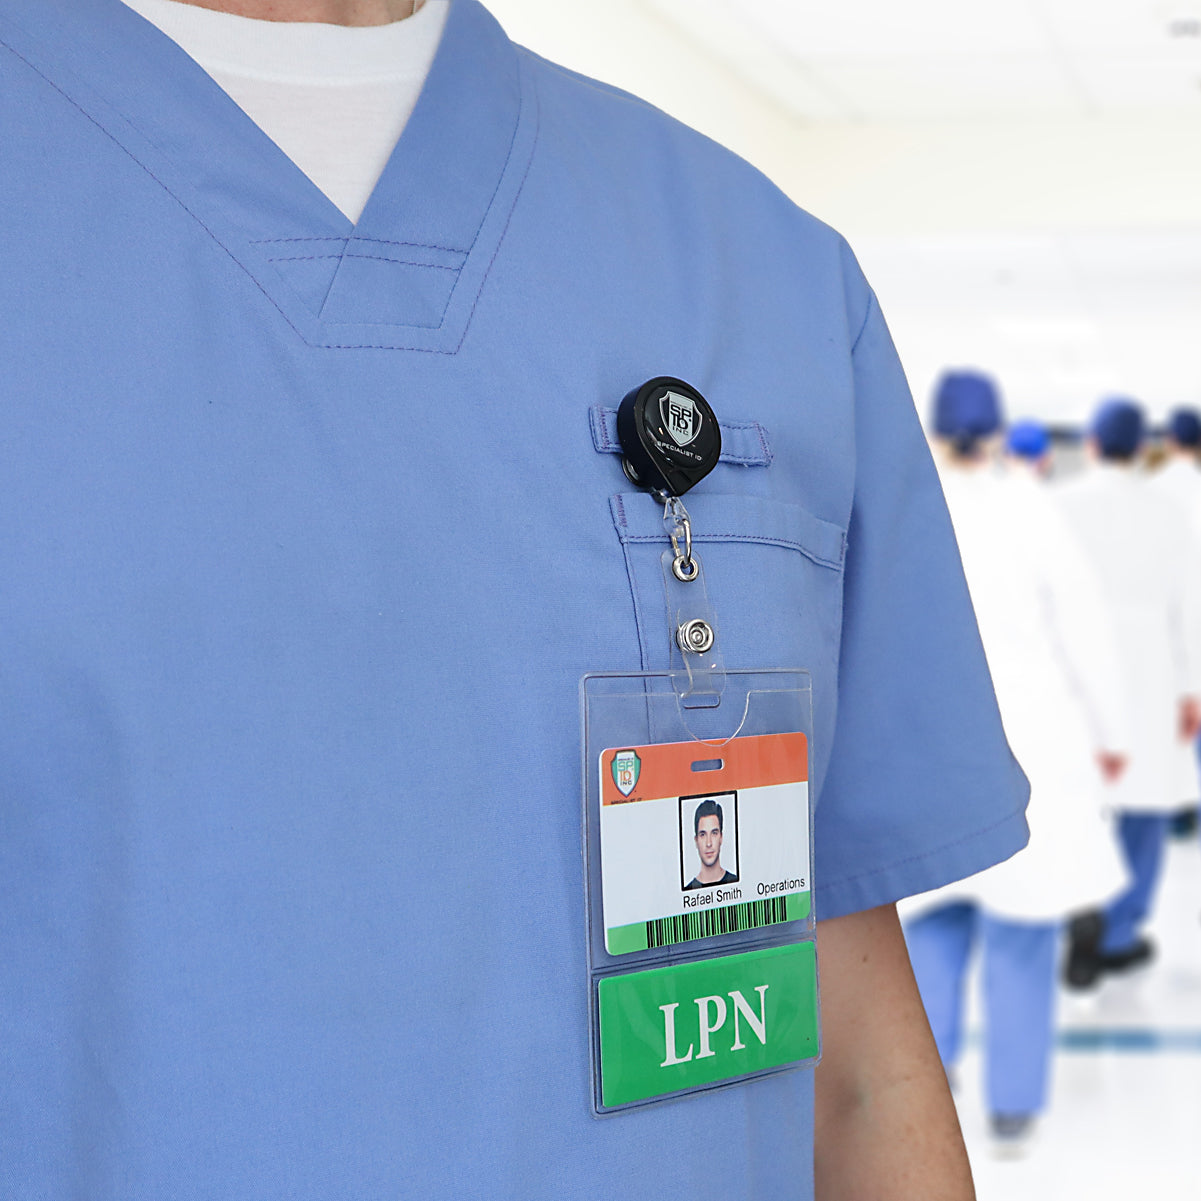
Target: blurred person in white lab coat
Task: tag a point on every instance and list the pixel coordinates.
(1050, 650)
(1179, 478)
(1140, 544)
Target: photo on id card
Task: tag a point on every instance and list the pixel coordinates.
(697, 842)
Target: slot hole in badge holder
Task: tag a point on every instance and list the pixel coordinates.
(708, 765)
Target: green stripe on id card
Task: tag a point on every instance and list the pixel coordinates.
(727, 919)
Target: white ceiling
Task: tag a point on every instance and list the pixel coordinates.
(1061, 316)
(890, 60)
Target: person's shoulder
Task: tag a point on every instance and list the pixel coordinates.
(1074, 487)
(1028, 498)
(630, 136)
(620, 163)
(1178, 479)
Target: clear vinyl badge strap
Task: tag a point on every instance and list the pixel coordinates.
(697, 667)
(679, 530)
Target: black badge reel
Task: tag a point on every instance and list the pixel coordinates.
(669, 436)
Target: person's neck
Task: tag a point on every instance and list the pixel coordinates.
(325, 12)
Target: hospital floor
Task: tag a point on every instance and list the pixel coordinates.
(1124, 1119)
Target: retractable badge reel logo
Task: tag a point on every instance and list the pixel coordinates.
(626, 768)
(680, 417)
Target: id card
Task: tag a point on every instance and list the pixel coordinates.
(697, 842)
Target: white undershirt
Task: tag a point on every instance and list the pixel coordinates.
(333, 98)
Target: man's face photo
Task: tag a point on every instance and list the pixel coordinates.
(708, 840)
(705, 823)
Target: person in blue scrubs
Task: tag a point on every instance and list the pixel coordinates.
(310, 531)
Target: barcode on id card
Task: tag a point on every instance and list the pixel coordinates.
(729, 919)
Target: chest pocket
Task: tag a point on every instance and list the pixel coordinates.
(773, 571)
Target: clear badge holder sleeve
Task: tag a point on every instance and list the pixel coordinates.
(698, 835)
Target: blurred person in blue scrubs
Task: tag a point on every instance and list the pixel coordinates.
(1050, 651)
(313, 517)
(1139, 542)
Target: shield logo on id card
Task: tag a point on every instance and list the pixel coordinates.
(626, 768)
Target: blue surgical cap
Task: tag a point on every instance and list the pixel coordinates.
(1028, 439)
(1185, 427)
(1118, 428)
(966, 405)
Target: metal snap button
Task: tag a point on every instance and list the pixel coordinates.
(695, 636)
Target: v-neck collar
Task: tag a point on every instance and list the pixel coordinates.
(408, 274)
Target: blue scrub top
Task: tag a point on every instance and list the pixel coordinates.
(308, 534)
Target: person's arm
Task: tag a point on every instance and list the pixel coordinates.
(886, 1127)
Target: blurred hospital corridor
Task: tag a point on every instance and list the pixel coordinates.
(1126, 1078)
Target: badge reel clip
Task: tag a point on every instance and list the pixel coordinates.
(670, 441)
